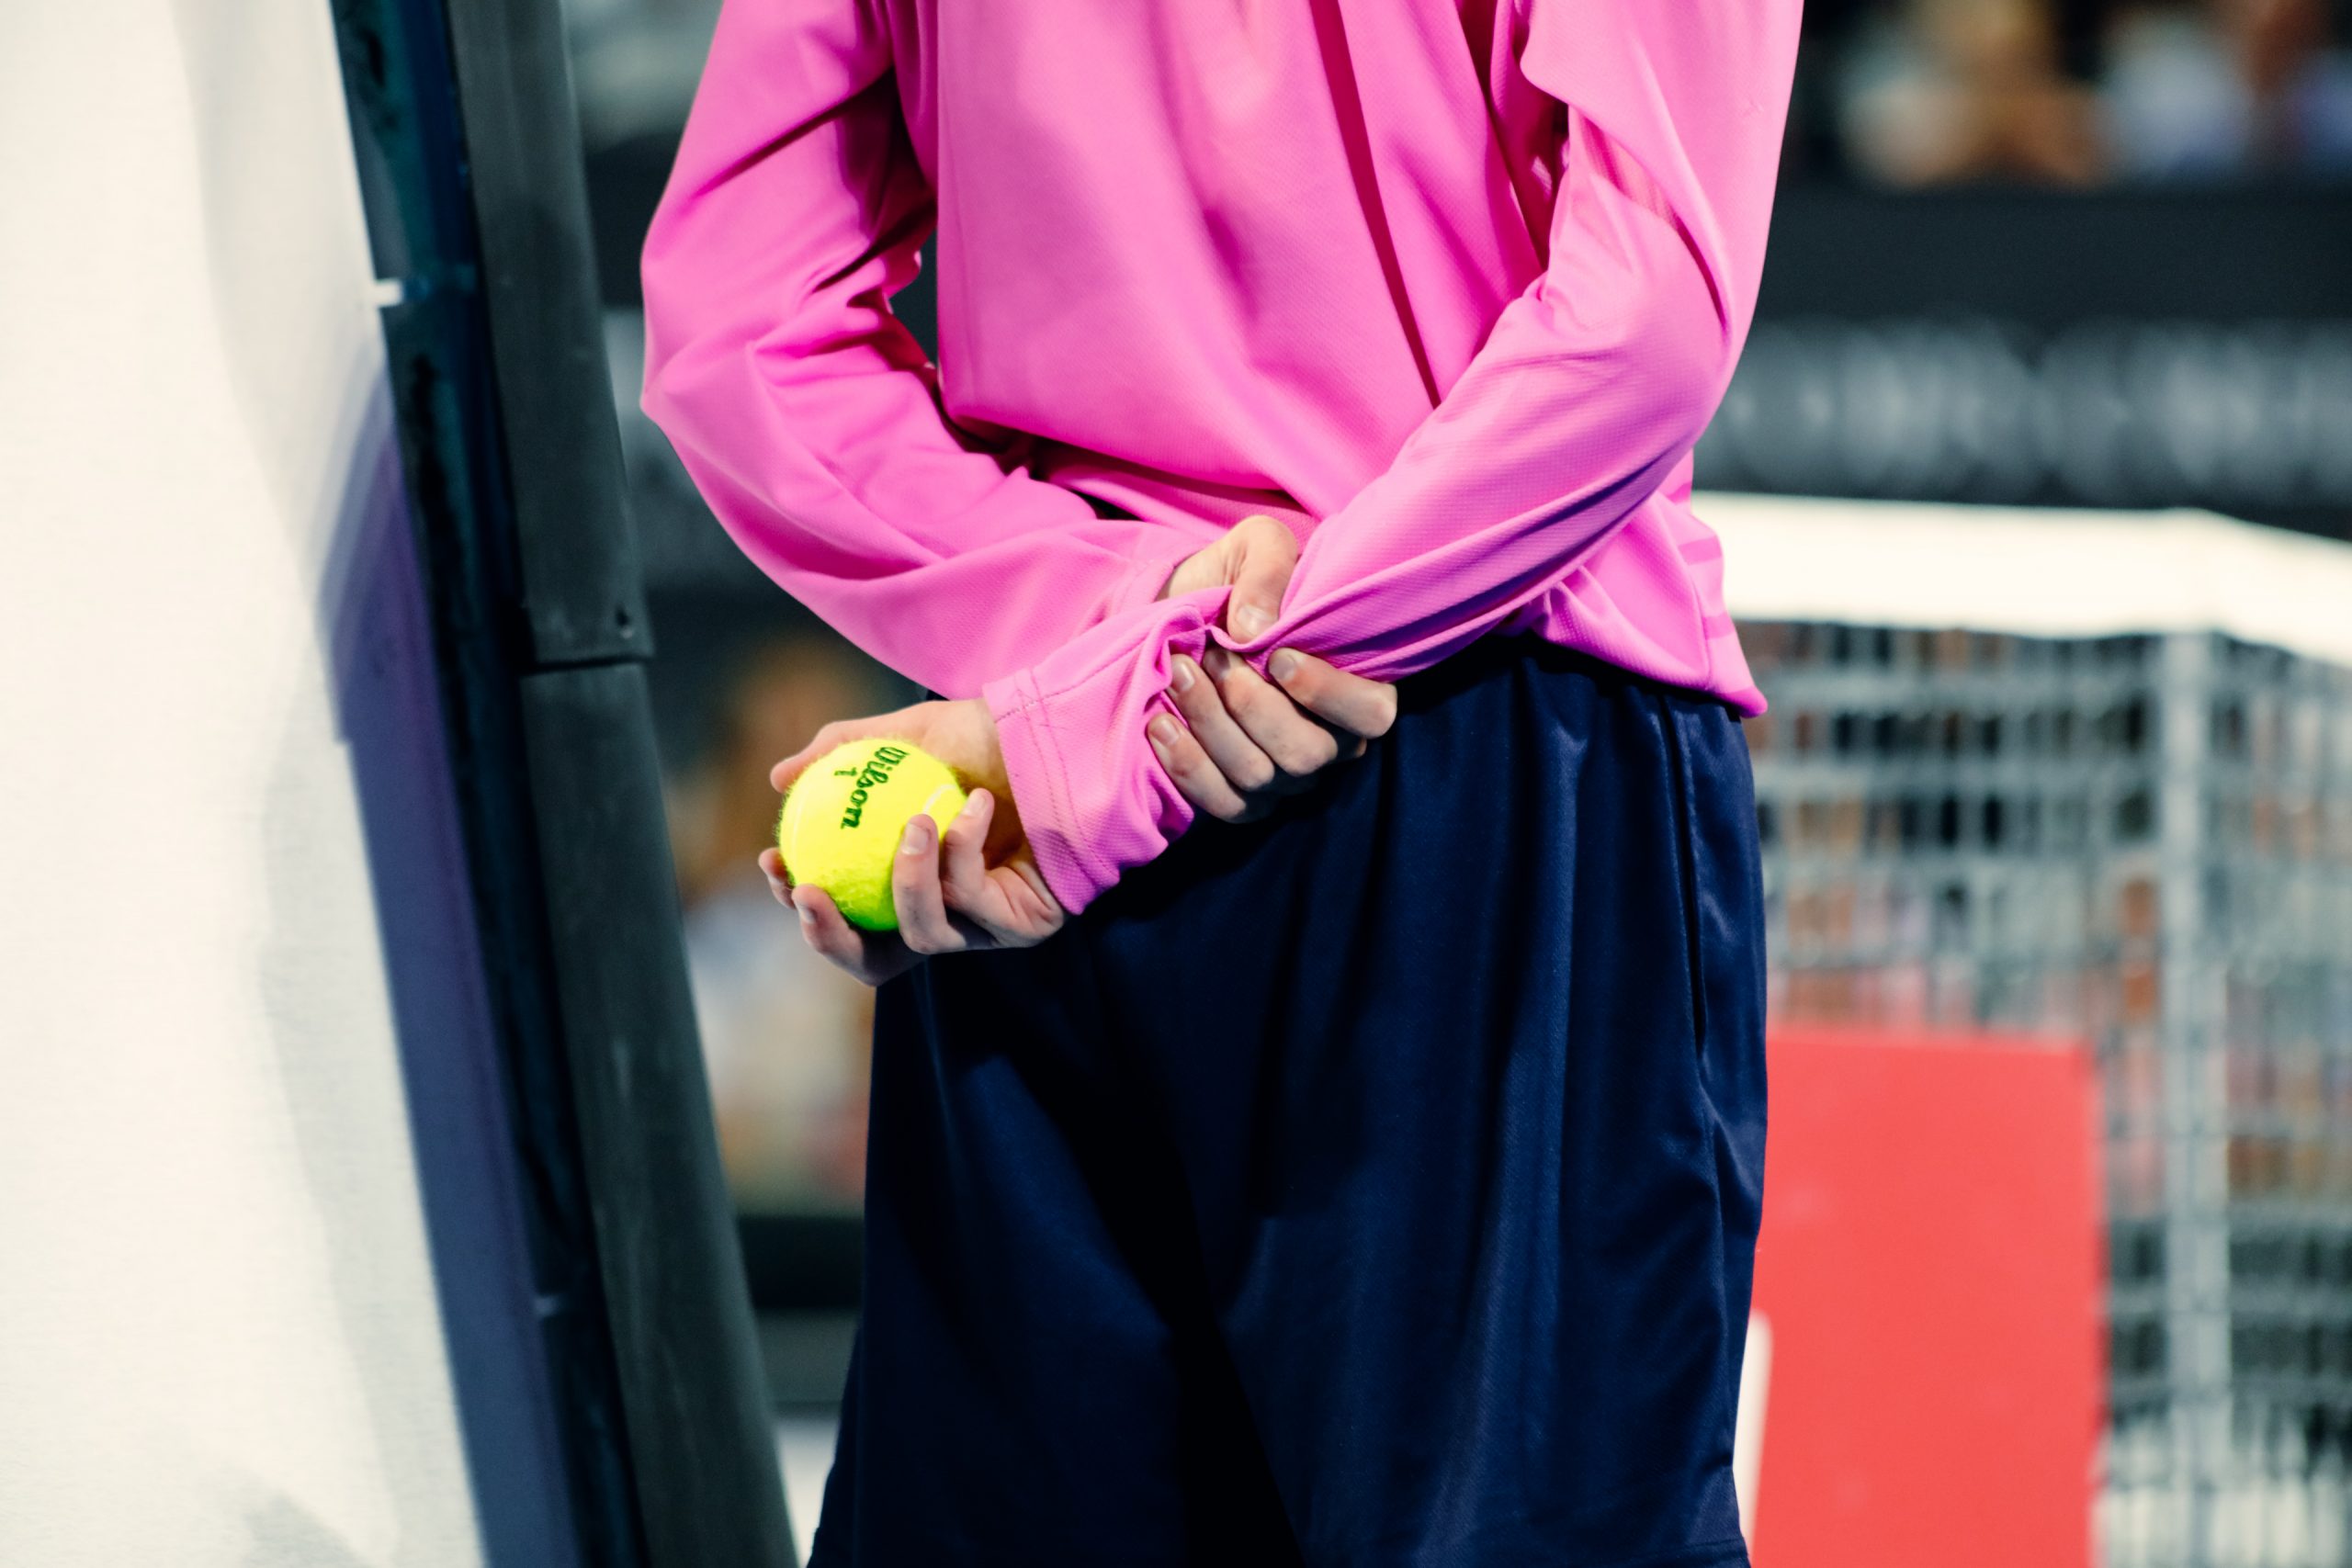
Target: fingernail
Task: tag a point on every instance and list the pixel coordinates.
(1181, 676)
(912, 841)
(1283, 665)
(1249, 620)
(1162, 730)
(808, 916)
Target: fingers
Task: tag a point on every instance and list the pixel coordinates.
(925, 925)
(1255, 559)
(1245, 738)
(1238, 758)
(825, 740)
(997, 906)
(947, 895)
(871, 957)
(1269, 553)
(1029, 904)
(772, 865)
(822, 925)
(964, 868)
(914, 890)
(1205, 567)
(1196, 778)
(1291, 739)
(1363, 708)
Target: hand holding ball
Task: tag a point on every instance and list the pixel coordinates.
(844, 815)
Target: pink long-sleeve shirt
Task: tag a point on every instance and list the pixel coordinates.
(1450, 287)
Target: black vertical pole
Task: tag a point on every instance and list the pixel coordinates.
(463, 120)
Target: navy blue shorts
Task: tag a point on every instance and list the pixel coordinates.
(1377, 1183)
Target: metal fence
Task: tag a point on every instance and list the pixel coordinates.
(2144, 842)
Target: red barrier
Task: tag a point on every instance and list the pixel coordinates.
(1929, 1369)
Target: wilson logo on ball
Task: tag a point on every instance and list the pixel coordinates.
(876, 772)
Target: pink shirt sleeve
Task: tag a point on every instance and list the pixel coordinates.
(808, 416)
(1590, 393)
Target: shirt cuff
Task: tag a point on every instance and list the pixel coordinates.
(1041, 793)
(1093, 798)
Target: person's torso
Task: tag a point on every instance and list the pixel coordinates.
(1223, 258)
(1239, 245)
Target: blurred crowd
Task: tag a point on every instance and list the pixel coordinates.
(2075, 93)
(784, 1034)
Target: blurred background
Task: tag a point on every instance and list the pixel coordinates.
(2029, 254)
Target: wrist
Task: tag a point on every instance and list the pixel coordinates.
(978, 750)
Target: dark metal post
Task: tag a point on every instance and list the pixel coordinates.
(463, 118)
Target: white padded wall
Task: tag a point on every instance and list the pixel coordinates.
(219, 1335)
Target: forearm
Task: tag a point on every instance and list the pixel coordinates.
(1591, 391)
(947, 573)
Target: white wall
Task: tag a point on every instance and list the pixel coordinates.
(219, 1342)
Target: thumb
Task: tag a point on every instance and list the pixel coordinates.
(1268, 555)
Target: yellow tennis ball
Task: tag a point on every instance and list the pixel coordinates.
(843, 816)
